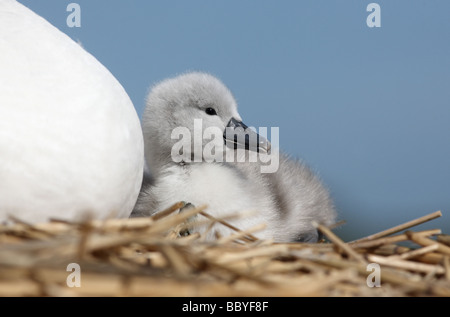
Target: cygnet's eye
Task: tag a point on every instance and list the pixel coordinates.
(211, 111)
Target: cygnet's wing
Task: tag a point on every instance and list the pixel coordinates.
(146, 202)
(301, 199)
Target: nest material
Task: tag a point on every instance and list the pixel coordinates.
(149, 257)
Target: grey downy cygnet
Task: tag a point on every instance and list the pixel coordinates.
(191, 125)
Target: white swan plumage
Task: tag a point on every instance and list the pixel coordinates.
(70, 138)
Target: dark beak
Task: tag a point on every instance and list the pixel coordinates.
(238, 135)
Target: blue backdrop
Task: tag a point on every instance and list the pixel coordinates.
(367, 108)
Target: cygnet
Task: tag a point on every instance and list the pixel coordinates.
(198, 150)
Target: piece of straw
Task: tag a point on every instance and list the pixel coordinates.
(336, 240)
(402, 227)
(389, 240)
(414, 253)
(424, 241)
(407, 265)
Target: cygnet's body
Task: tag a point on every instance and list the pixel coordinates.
(286, 200)
(70, 139)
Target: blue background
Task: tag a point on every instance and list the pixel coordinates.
(367, 108)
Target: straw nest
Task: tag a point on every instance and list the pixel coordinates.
(152, 257)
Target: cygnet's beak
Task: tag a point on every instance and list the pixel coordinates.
(238, 134)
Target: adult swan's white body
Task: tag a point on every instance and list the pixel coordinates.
(70, 138)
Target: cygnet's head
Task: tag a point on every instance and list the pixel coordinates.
(193, 108)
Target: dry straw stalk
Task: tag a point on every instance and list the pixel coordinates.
(149, 257)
